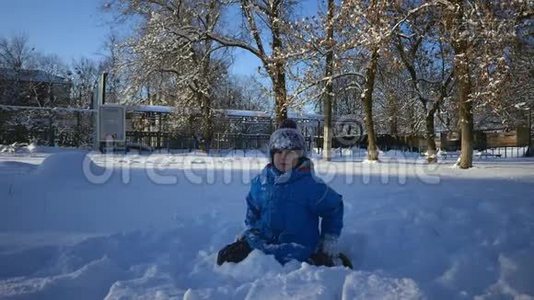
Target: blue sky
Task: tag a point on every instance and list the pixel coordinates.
(78, 28)
(72, 29)
(68, 28)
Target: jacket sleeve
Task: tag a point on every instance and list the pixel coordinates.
(329, 206)
(252, 222)
(253, 213)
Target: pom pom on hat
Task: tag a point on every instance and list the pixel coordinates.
(288, 123)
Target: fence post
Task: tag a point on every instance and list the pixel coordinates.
(529, 147)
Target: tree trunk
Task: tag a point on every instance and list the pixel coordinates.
(529, 124)
(327, 127)
(392, 114)
(367, 99)
(78, 134)
(207, 112)
(461, 70)
(274, 64)
(328, 97)
(51, 131)
(278, 74)
(207, 125)
(280, 94)
(466, 115)
(430, 136)
(430, 129)
(430, 133)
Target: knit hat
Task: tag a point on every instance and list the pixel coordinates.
(287, 137)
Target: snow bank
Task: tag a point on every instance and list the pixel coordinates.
(469, 235)
(75, 165)
(15, 167)
(167, 265)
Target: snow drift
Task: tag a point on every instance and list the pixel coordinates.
(471, 234)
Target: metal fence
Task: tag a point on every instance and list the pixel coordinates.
(53, 127)
(75, 128)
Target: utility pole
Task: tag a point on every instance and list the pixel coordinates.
(98, 100)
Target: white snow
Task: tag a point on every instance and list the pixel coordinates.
(140, 226)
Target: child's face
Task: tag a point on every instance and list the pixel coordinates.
(285, 160)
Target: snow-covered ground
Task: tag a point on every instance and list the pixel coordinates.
(150, 227)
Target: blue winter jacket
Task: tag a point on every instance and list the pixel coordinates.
(283, 212)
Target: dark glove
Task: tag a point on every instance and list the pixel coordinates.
(234, 252)
(321, 259)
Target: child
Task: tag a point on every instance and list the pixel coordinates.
(284, 207)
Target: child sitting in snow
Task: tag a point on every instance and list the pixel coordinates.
(284, 207)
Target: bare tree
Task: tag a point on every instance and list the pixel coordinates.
(356, 36)
(315, 67)
(56, 87)
(16, 53)
(266, 24)
(479, 33)
(54, 78)
(169, 50)
(425, 59)
(117, 74)
(395, 106)
(237, 92)
(370, 25)
(84, 76)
